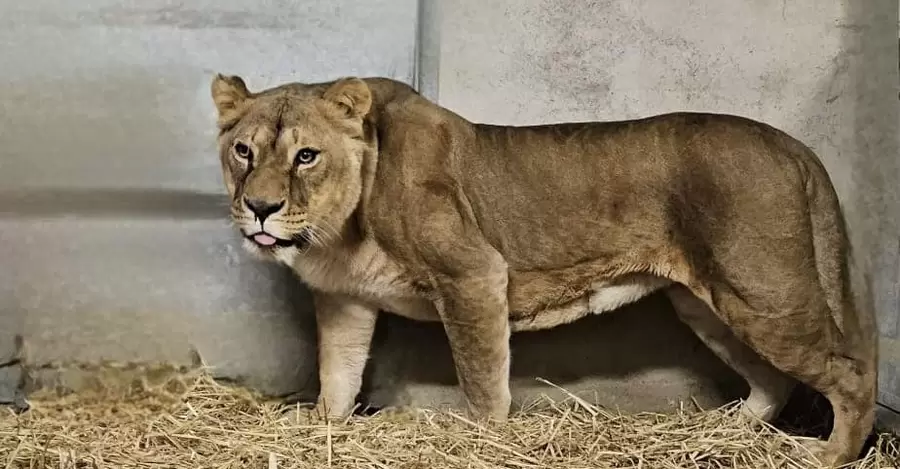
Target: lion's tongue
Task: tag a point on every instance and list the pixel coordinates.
(264, 239)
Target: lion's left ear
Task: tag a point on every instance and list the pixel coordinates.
(352, 95)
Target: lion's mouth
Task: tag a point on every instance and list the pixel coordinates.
(265, 240)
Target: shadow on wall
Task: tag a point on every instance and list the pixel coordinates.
(114, 203)
(125, 127)
(300, 370)
(612, 347)
(873, 204)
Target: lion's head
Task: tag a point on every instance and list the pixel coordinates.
(292, 159)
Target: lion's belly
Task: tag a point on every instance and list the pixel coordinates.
(536, 301)
(601, 297)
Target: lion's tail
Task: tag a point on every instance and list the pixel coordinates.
(833, 253)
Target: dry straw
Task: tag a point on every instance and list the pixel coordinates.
(194, 422)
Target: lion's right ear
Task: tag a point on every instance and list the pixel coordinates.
(230, 95)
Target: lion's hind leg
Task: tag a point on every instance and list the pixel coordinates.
(787, 322)
(769, 387)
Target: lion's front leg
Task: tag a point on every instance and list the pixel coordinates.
(475, 315)
(345, 329)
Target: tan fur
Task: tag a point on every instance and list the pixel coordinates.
(490, 229)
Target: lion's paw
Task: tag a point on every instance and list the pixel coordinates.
(299, 415)
(813, 450)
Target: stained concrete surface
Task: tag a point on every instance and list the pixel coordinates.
(114, 239)
(115, 247)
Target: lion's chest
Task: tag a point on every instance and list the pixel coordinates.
(368, 274)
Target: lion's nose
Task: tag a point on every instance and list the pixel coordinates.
(263, 208)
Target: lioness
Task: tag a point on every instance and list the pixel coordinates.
(382, 200)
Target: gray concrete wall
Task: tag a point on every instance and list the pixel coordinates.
(112, 227)
(114, 240)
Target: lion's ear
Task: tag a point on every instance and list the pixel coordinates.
(352, 95)
(230, 95)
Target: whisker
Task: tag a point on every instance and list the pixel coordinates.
(321, 236)
(328, 230)
(316, 237)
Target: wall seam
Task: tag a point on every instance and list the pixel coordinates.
(426, 65)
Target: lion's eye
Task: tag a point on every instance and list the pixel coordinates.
(243, 150)
(306, 156)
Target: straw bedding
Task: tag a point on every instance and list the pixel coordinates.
(192, 421)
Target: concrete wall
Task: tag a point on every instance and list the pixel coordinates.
(114, 240)
(103, 263)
